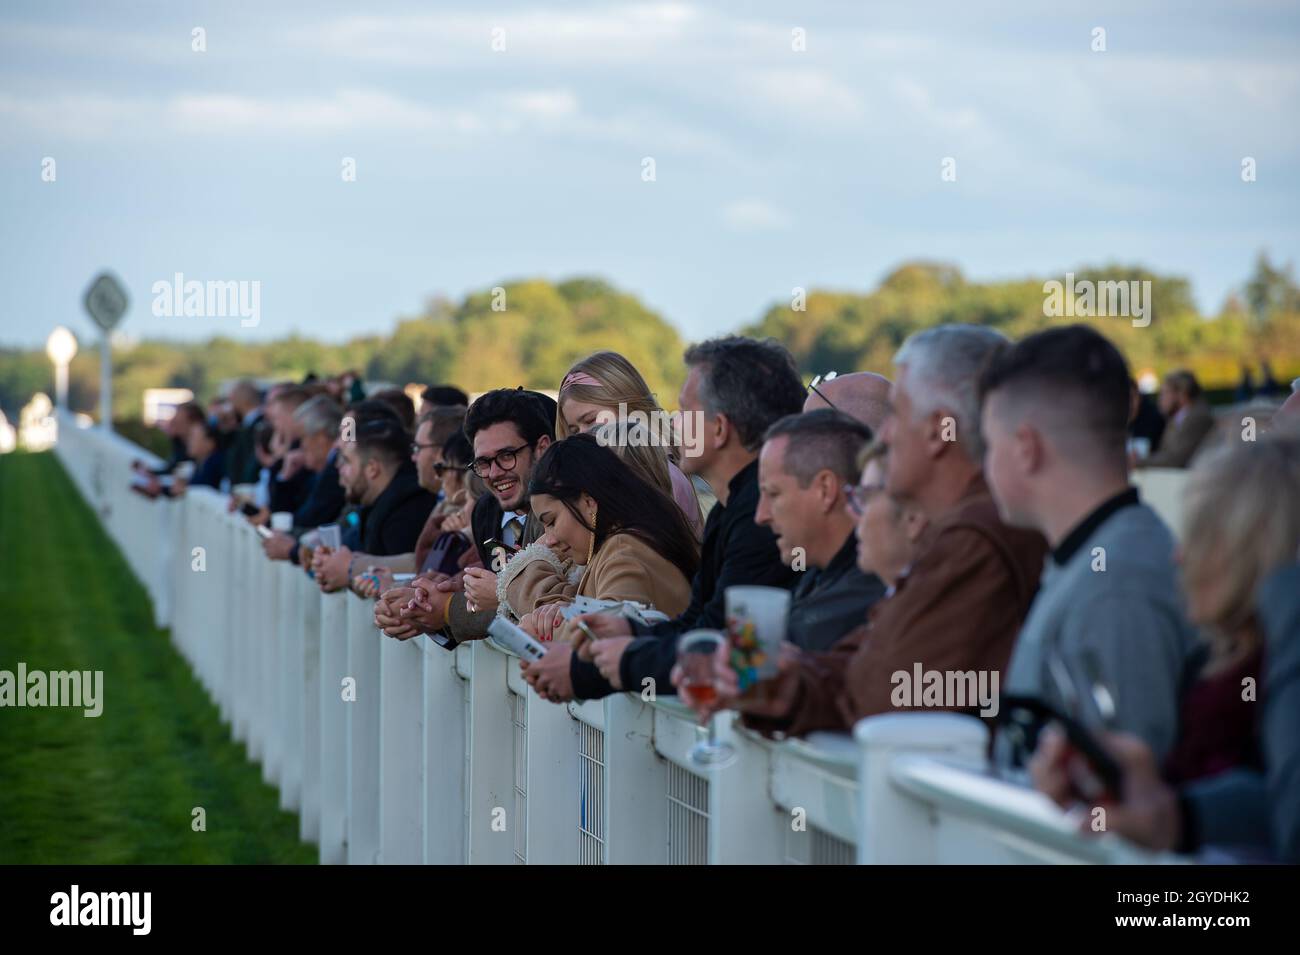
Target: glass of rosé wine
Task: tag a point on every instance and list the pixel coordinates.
(697, 655)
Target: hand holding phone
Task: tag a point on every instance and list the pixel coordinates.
(1024, 717)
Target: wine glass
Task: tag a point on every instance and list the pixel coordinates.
(697, 652)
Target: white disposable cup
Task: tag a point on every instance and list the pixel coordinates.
(282, 521)
(331, 536)
(756, 621)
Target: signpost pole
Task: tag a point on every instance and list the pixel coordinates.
(105, 382)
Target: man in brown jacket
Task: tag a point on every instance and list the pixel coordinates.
(960, 605)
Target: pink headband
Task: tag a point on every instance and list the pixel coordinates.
(579, 378)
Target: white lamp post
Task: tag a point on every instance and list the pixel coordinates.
(61, 346)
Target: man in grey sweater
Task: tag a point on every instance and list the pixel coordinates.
(1109, 610)
(1253, 814)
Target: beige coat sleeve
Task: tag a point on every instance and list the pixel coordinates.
(534, 576)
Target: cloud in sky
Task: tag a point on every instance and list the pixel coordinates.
(754, 215)
(477, 164)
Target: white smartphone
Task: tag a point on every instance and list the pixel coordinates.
(515, 640)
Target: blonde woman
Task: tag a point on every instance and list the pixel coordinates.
(595, 392)
(1241, 522)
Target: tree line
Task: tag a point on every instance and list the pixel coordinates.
(529, 332)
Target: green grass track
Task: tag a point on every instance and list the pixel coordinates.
(120, 788)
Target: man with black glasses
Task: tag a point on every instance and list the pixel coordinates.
(509, 429)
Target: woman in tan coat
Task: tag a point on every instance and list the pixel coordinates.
(629, 538)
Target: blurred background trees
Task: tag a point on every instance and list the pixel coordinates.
(530, 331)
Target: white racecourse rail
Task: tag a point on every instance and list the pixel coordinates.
(449, 757)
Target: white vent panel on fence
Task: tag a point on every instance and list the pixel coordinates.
(519, 716)
(688, 817)
(591, 794)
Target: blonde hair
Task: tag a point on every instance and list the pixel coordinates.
(617, 382)
(1241, 521)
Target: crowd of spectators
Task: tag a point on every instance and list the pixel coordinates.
(973, 512)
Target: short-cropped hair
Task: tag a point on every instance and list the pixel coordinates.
(1072, 371)
(444, 422)
(820, 440)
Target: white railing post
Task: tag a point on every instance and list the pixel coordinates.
(165, 510)
(182, 594)
(546, 775)
(491, 776)
(446, 696)
(310, 709)
(814, 788)
(635, 819)
(244, 667)
(401, 749)
(293, 596)
(894, 827)
(333, 729)
(269, 636)
(225, 538)
(363, 732)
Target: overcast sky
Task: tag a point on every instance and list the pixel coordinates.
(774, 167)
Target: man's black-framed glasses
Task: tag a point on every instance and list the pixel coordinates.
(505, 459)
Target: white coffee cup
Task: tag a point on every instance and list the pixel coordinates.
(282, 521)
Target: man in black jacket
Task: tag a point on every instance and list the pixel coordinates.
(377, 474)
(241, 462)
(317, 425)
(735, 390)
(807, 462)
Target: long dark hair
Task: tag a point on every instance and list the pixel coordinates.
(625, 502)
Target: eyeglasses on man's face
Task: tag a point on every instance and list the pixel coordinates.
(505, 459)
(859, 496)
